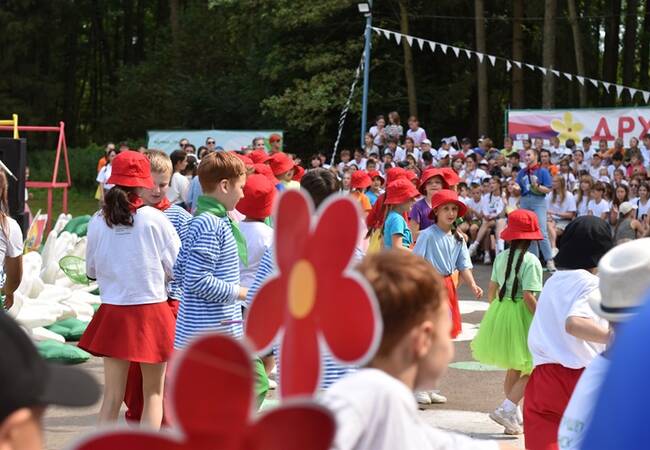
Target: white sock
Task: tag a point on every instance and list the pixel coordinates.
(508, 406)
(520, 414)
(500, 245)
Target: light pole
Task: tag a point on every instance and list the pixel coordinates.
(366, 9)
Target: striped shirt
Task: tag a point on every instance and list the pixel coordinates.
(332, 370)
(208, 267)
(180, 219)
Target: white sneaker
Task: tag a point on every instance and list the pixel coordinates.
(423, 398)
(507, 420)
(520, 416)
(273, 385)
(472, 249)
(550, 265)
(437, 397)
(555, 252)
(486, 258)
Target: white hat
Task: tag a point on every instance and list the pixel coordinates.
(483, 162)
(442, 154)
(624, 274)
(426, 141)
(626, 207)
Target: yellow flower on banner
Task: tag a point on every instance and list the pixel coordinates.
(567, 129)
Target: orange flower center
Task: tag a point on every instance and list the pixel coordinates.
(302, 289)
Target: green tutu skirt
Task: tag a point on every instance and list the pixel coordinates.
(502, 338)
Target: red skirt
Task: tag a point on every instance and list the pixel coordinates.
(137, 333)
(547, 395)
(456, 323)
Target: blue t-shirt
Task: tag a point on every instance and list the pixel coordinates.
(372, 197)
(525, 180)
(395, 224)
(442, 250)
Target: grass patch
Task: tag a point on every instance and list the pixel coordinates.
(80, 202)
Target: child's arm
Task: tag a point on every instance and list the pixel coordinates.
(397, 240)
(468, 277)
(493, 289)
(199, 280)
(587, 329)
(531, 301)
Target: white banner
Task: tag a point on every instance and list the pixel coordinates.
(599, 123)
(167, 140)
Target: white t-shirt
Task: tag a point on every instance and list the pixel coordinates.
(401, 153)
(598, 209)
(476, 176)
(583, 207)
(642, 209)
(103, 176)
(375, 411)
(361, 165)
(491, 205)
(259, 237)
(132, 264)
(475, 206)
(11, 245)
(418, 135)
(178, 188)
(377, 138)
(579, 412)
(594, 171)
(564, 295)
(568, 205)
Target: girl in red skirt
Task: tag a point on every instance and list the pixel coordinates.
(131, 252)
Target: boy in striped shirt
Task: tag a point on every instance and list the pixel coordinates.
(208, 263)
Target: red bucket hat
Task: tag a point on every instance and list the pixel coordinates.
(394, 174)
(300, 172)
(375, 173)
(400, 191)
(259, 193)
(275, 138)
(131, 169)
(281, 163)
(259, 156)
(245, 159)
(360, 180)
(450, 176)
(265, 169)
(427, 175)
(522, 224)
(443, 197)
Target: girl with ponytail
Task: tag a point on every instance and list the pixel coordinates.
(502, 339)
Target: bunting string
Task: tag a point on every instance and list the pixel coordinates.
(344, 112)
(509, 63)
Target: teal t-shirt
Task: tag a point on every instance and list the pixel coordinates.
(395, 224)
(530, 273)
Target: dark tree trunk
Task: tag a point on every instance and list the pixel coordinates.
(408, 59)
(548, 53)
(644, 52)
(610, 57)
(481, 46)
(518, 53)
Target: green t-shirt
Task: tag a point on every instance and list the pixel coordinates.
(530, 273)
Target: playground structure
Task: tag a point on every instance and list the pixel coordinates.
(61, 149)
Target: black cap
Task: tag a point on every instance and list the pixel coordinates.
(27, 380)
(584, 241)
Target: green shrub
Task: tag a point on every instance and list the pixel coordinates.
(83, 165)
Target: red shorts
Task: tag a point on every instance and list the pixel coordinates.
(457, 326)
(547, 395)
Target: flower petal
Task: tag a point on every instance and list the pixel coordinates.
(558, 125)
(212, 387)
(293, 427)
(329, 248)
(299, 359)
(266, 314)
(292, 226)
(568, 119)
(128, 440)
(349, 319)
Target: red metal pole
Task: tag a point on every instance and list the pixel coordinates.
(65, 200)
(65, 156)
(49, 211)
(58, 155)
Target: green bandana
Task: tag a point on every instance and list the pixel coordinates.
(212, 206)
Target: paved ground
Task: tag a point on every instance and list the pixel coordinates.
(471, 394)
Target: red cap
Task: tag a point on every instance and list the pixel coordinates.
(265, 169)
(450, 176)
(375, 173)
(297, 176)
(522, 224)
(280, 163)
(131, 169)
(443, 197)
(429, 174)
(275, 138)
(410, 175)
(395, 173)
(360, 180)
(245, 159)
(259, 193)
(259, 156)
(400, 191)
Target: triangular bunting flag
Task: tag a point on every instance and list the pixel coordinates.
(493, 59)
(632, 92)
(619, 90)
(580, 79)
(530, 66)
(646, 96)
(517, 63)
(594, 82)
(444, 48)
(387, 33)
(606, 84)
(421, 43)
(377, 30)
(432, 45)
(568, 75)
(508, 66)
(542, 69)
(409, 39)
(480, 56)
(398, 37)
(556, 72)
(468, 54)
(456, 51)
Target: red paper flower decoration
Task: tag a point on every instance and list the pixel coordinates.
(212, 404)
(314, 296)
